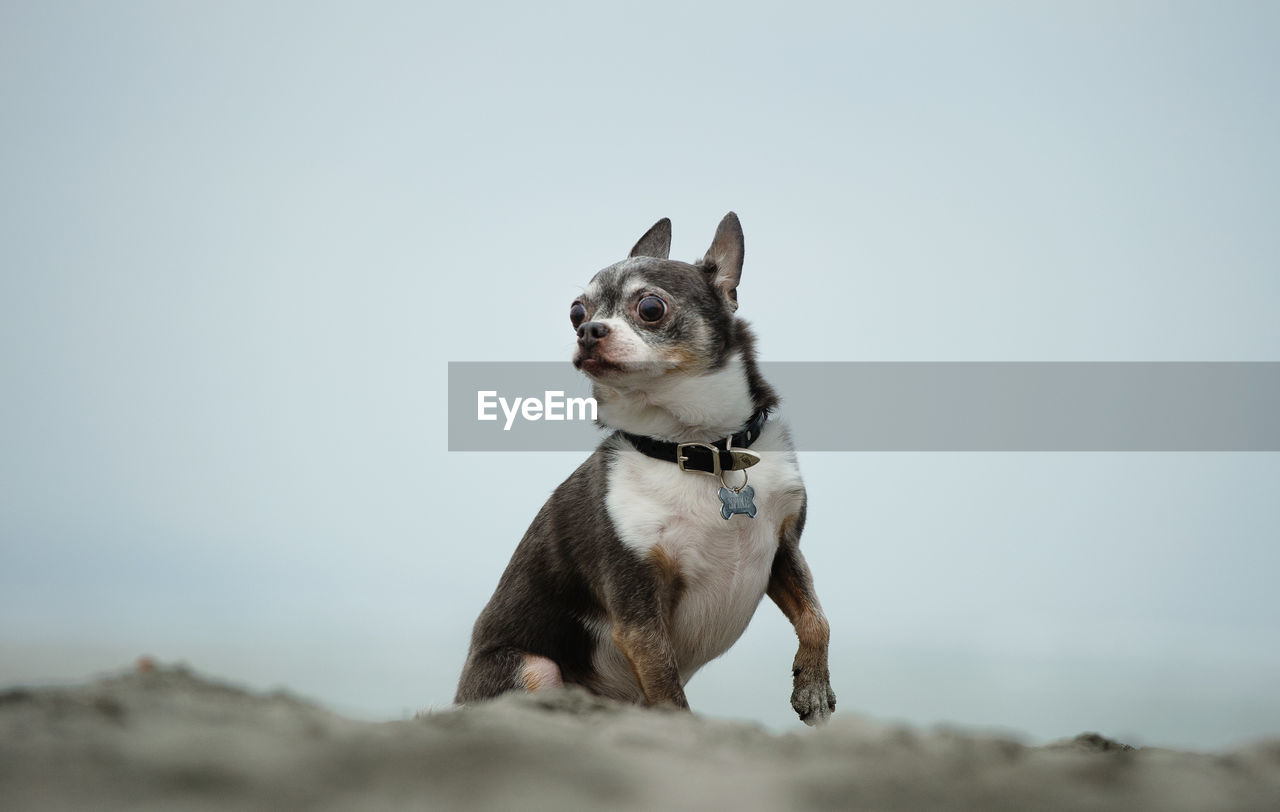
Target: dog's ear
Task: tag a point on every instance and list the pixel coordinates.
(723, 260)
(656, 242)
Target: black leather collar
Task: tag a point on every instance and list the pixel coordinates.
(708, 458)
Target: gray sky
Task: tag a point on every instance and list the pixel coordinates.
(239, 243)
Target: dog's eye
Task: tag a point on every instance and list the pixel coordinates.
(651, 308)
(576, 314)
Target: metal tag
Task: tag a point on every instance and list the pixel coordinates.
(742, 501)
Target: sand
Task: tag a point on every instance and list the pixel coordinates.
(168, 738)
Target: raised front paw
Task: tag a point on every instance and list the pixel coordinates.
(813, 698)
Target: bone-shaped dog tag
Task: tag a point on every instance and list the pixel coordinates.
(741, 502)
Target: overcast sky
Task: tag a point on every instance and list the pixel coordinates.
(240, 242)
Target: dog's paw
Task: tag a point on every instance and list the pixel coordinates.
(813, 698)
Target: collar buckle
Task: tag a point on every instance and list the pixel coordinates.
(714, 452)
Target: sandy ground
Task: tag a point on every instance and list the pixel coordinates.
(166, 738)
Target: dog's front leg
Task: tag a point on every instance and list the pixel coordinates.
(791, 587)
(647, 648)
(640, 608)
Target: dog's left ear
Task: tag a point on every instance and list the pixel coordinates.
(656, 242)
(723, 260)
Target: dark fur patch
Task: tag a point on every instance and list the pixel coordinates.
(548, 593)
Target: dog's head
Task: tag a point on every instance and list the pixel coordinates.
(650, 317)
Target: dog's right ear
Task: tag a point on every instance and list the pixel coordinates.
(656, 242)
(723, 261)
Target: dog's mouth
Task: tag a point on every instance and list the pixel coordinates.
(596, 366)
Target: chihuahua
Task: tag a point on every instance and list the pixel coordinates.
(651, 558)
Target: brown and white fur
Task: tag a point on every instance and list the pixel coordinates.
(629, 580)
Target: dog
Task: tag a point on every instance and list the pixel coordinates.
(649, 561)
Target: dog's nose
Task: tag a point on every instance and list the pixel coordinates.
(589, 334)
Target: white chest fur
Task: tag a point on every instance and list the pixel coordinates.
(657, 509)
